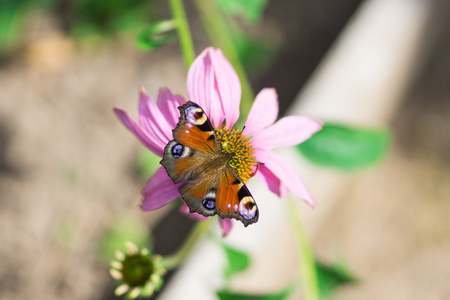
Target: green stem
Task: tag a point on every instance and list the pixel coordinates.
(308, 275)
(184, 34)
(174, 260)
(220, 36)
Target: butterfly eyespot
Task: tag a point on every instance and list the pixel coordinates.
(249, 204)
(195, 115)
(209, 203)
(198, 115)
(247, 208)
(177, 150)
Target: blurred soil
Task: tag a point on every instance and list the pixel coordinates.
(67, 164)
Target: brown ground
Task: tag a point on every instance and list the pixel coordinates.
(67, 166)
(66, 173)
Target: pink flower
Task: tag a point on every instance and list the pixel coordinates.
(213, 84)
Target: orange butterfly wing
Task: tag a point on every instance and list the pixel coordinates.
(194, 142)
(194, 130)
(212, 185)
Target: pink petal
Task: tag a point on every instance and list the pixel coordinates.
(263, 112)
(281, 169)
(154, 145)
(228, 86)
(271, 181)
(227, 224)
(200, 86)
(213, 84)
(159, 191)
(288, 131)
(152, 120)
(168, 105)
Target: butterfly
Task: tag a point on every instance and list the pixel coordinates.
(211, 185)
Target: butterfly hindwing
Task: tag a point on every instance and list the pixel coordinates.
(234, 200)
(200, 195)
(223, 194)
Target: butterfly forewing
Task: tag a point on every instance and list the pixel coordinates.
(194, 130)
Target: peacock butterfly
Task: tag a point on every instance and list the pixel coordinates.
(195, 157)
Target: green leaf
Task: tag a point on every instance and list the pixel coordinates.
(123, 230)
(156, 35)
(331, 277)
(250, 10)
(229, 295)
(238, 260)
(346, 147)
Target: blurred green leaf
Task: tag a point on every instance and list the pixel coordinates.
(331, 277)
(88, 33)
(156, 35)
(255, 55)
(12, 17)
(238, 260)
(106, 17)
(123, 230)
(250, 10)
(346, 147)
(148, 163)
(229, 295)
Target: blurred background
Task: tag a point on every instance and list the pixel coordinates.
(69, 170)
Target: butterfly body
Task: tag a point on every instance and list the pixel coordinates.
(211, 185)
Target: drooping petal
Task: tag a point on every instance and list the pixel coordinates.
(227, 224)
(284, 172)
(213, 84)
(154, 145)
(159, 191)
(288, 131)
(152, 120)
(272, 182)
(263, 112)
(168, 104)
